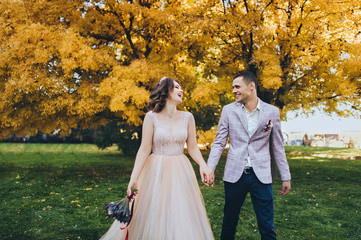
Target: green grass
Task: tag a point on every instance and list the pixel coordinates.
(58, 191)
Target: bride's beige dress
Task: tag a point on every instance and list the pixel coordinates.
(169, 204)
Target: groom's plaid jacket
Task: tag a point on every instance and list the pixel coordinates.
(263, 147)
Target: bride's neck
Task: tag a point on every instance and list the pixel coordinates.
(169, 110)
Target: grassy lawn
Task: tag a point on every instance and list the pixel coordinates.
(53, 191)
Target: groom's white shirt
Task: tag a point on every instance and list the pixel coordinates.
(252, 122)
(261, 146)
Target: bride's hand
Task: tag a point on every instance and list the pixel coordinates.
(207, 175)
(131, 184)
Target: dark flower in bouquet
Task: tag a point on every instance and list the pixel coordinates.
(121, 210)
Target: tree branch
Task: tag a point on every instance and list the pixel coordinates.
(246, 5)
(297, 80)
(244, 47)
(224, 6)
(299, 29)
(268, 4)
(303, 7)
(126, 30)
(329, 98)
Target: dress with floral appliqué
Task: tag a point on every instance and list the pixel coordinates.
(169, 205)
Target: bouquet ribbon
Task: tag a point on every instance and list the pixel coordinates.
(130, 217)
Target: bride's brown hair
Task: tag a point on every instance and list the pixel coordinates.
(160, 93)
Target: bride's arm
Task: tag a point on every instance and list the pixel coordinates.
(207, 174)
(143, 151)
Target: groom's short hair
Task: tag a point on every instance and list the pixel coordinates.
(248, 77)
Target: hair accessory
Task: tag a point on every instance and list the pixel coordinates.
(163, 78)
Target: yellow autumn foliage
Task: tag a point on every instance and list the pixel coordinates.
(205, 138)
(67, 64)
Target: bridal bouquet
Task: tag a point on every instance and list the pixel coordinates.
(120, 209)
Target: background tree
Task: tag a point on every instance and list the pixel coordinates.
(300, 51)
(84, 64)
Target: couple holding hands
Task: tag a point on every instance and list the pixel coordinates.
(169, 205)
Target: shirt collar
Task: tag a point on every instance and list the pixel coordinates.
(257, 108)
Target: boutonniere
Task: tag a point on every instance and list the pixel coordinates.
(268, 126)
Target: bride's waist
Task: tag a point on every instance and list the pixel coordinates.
(167, 154)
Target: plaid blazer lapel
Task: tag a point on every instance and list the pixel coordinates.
(239, 111)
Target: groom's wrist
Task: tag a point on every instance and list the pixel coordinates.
(213, 168)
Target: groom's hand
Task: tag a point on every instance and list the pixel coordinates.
(286, 186)
(207, 175)
(211, 179)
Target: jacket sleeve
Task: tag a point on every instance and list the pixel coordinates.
(277, 149)
(220, 141)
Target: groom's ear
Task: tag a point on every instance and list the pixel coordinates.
(252, 85)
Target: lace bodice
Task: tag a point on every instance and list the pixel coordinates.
(166, 142)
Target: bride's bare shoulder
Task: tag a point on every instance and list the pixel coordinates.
(149, 117)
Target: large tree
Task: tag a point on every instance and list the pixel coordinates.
(67, 64)
(305, 53)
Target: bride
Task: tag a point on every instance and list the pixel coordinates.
(169, 204)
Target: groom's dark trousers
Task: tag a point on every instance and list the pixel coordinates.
(262, 200)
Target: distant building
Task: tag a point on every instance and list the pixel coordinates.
(353, 139)
(350, 139)
(294, 138)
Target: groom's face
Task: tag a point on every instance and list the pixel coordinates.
(241, 89)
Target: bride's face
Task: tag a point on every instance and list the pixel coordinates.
(176, 94)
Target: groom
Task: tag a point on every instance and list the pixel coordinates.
(255, 141)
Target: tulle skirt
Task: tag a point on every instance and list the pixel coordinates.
(169, 204)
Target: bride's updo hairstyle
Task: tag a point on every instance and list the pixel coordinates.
(160, 93)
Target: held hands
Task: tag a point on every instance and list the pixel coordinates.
(286, 186)
(207, 175)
